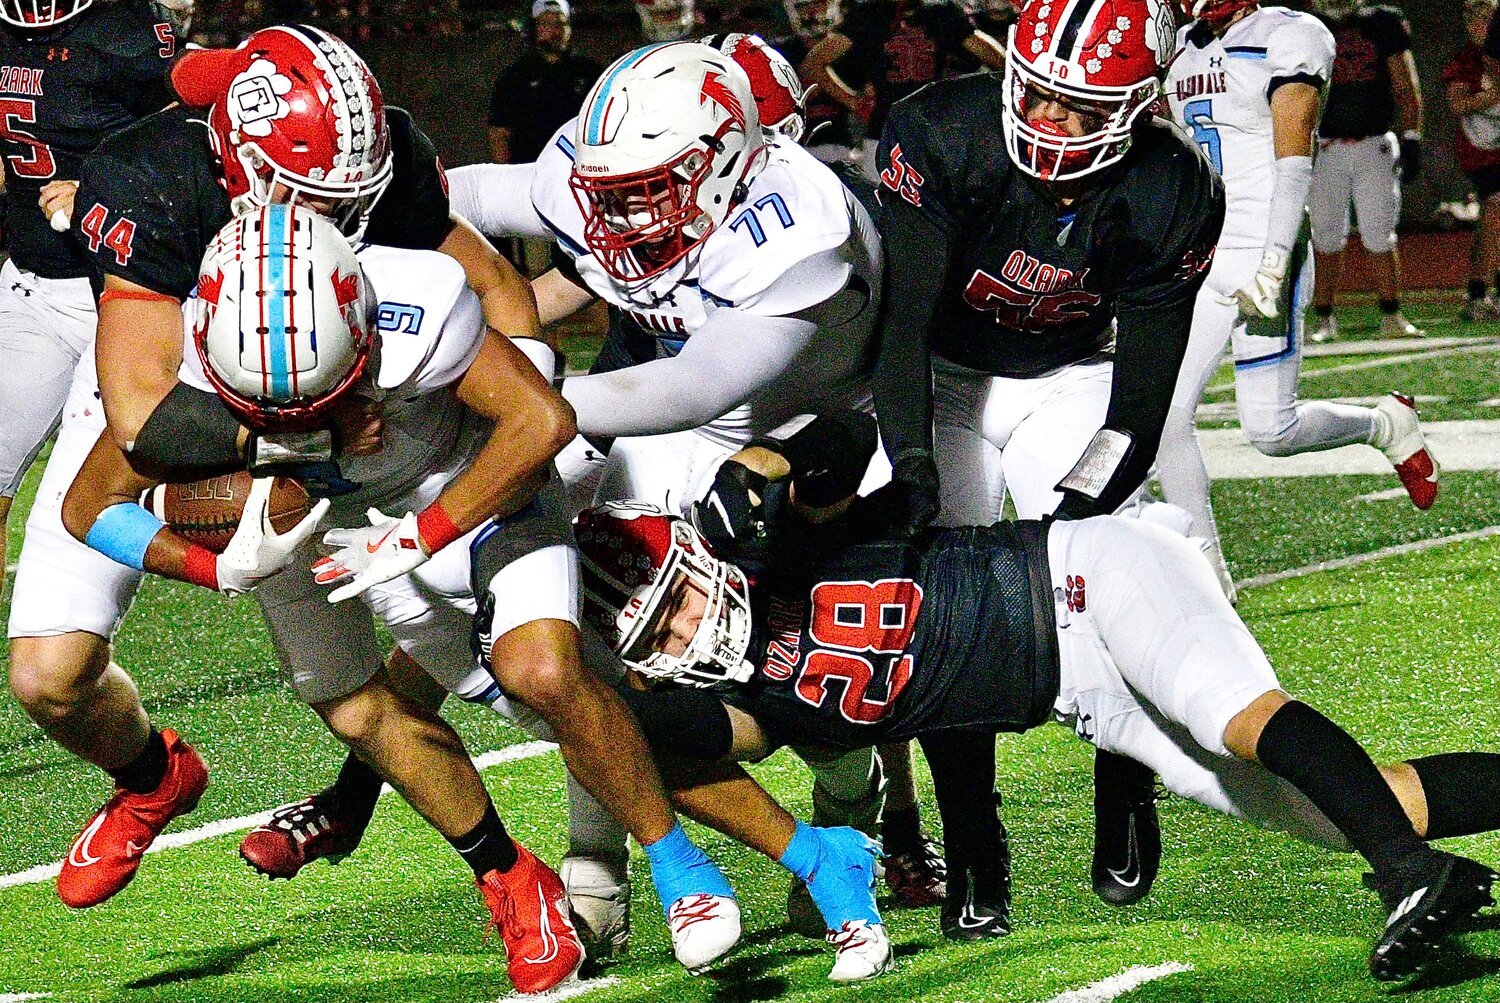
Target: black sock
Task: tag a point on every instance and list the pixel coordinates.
(1323, 310)
(1477, 289)
(963, 784)
(1389, 306)
(144, 773)
(487, 847)
(901, 831)
(1320, 759)
(1463, 792)
(353, 794)
(1496, 277)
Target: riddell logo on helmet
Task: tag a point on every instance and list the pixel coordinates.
(591, 168)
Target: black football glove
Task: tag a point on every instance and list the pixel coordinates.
(909, 503)
(731, 516)
(1411, 156)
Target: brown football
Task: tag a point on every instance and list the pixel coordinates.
(207, 512)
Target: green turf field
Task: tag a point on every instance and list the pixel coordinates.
(1402, 650)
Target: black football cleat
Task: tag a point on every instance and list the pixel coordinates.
(1127, 832)
(1432, 899)
(976, 907)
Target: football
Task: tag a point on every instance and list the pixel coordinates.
(207, 512)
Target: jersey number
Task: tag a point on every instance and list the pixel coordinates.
(750, 219)
(167, 40)
(117, 238)
(1206, 136)
(860, 618)
(38, 163)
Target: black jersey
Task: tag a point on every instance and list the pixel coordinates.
(152, 198)
(992, 272)
(1360, 100)
(61, 92)
(867, 642)
(899, 46)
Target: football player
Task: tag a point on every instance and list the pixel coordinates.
(836, 631)
(456, 402)
(1474, 98)
(828, 137)
(1374, 95)
(1247, 84)
(1029, 219)
(116, 71)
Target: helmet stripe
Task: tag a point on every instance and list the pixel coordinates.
(594, 134)
(275, 289)
(1072, 25)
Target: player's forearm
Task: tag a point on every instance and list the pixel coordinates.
(916, 265)
(1407, 92)
(137, 351)
(986, 49)
(726, 362)
(1462, 101)
(505, 296)
(1293, 183)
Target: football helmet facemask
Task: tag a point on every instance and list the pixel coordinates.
(666, 145)
(36, 15)
(1100, 60)
(637, 561)
(293, 110)
(284, 318)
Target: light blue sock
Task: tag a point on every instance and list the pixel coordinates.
(838, 866)
(679, 869)
(803, 853)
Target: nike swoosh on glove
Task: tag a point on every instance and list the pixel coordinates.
(1260, 297)
(257, 551)
(387, 548)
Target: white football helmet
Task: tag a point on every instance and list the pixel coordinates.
(666, 145)
(284, 321)
(633, 557)
(666, 20)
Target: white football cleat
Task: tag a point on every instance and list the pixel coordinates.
(599, 901)
(1326, 330)
(864, 951)
(704, 927)
(1402, 443)
(1395, 325)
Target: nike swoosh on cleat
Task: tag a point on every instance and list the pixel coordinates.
(966, 919)
(549, 939)
(79, 855)
(1130, 874)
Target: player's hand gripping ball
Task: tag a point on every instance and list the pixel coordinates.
(207, 512)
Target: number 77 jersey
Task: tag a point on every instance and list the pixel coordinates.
(1220, 89)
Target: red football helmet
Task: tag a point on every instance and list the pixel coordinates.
(1100, 59)
(1215, 12)
(780, 97)
(35, 14)
(296, 107)
(635, 558)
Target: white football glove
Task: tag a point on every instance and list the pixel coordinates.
(388, 548)
(257, 551)
(1260, 297)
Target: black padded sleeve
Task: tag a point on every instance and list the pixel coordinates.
(413, 211)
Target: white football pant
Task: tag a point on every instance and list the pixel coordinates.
(1366, 172)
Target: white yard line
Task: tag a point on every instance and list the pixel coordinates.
(1416, 546)
(1118, 985)
(22, 997)
(1390, 494)
(46, 872)
(566, 991)
(1387, 346)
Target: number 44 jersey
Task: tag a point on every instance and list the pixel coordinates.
(1220, 91)
(889, 639)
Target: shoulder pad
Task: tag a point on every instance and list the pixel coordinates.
(417, 291)
(796, 208)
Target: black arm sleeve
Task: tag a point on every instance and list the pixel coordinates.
(916, 264)
(692, 723)
(1492, 37)
(190, 435)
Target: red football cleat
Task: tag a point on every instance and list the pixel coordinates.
(298, 834)
(1407, 450)
(529, 906)
(106, 854)
(917, 878)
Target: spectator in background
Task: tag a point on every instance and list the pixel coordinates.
(828, 137)
(887, 49)
(1374, 90)
(541, 90)
(667, 20)
(1474, 96)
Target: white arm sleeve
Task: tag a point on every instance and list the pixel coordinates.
(725, 363)
(1289, 202)
(496, 198)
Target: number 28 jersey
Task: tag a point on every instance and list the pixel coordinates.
(856, 645)
(1220, 92)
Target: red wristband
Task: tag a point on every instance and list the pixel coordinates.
(436, 529)
(201, 566)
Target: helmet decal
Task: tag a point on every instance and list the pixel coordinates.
(716, 90)
(255, 99)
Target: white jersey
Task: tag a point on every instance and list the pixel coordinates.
(800, 244)
(1219, 90)
(429, 330)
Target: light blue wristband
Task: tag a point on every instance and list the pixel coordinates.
(123, 532)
